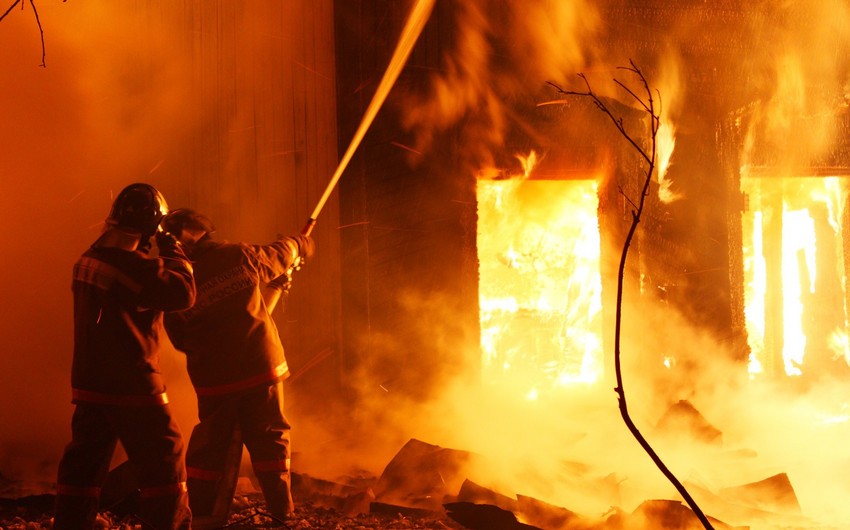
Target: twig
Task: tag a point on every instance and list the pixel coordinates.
(654, 124)
(37, 21)
(41, 32)
(11, 7)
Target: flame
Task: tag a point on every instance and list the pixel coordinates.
(540, 286)
(784, 319)
(527, 163)
(755, 289)
(666, 143)
(797, 278)
(671, 86)
(839, 343)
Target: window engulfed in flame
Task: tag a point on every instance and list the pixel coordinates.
(539, 282)
(794, 275)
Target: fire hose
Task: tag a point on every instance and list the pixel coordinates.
(416, 20)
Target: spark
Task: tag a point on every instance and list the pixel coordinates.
(158, 164)
(406, 148)
(312, 71)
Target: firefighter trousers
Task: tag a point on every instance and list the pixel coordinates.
(154, 446)
(251, 417)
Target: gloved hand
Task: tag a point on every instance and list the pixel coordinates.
(306, 246)
(282, 282)
(168, 244)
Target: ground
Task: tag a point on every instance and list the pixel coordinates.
(34, 513)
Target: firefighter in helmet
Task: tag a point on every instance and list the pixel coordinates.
(236, 364)
(120, 294)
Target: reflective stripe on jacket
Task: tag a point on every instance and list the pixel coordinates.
(123, 400)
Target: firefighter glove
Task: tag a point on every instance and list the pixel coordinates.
(306, 246)
(168, 245)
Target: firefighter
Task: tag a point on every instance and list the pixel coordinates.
(120, 294)
(236, 364)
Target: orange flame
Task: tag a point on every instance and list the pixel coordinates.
(666, 143)
(793, 235)
(540, 286)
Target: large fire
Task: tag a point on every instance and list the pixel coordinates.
(794, 274)
(539, 284)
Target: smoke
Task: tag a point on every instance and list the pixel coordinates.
(801, 81)
(502, 51)
(571, 448)
(133, 91)
(112, 107)
(73, 134)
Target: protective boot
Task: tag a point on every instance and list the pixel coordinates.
(202, 500)
(74, 512)
(211, 492)
(167, 511)
(277, 490)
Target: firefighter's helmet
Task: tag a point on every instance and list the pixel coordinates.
(182, 218)
(139, 207)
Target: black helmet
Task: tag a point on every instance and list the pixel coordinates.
(139, 207)
(182, 218)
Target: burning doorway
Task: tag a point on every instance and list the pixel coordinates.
(540, 303)
(795, 275)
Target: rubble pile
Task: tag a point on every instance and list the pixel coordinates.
(425, 487)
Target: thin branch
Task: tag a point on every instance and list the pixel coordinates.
(37, 21)
(41, 32)
(601, 106)
(629, 199)
(654, 124)
(627, 89)
(16, 2)
(634, 69)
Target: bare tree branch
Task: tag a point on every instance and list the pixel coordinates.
(11, 7)
(618, 122)
(648, 106)
(41, 32)
(37, 21)
(637, 98)
(629, 199)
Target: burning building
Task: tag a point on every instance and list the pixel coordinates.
(741, 244)
(465, 288)
(726, 151)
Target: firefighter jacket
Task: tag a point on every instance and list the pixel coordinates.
(119, 300)
(229, 338)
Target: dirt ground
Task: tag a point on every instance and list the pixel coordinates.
(35, 513)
